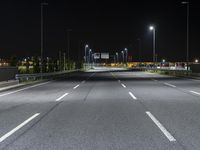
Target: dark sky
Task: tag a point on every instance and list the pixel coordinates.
(107, 26)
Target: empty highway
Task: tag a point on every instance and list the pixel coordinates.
(103, 110)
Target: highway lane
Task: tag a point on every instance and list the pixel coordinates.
(170, 100)
(19, 104)
(105, 110)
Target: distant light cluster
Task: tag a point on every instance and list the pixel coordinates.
(3, 63)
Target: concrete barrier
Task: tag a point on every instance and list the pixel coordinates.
(8, 83)
(8, 73)
(39, 76)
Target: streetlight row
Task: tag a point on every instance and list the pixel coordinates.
(124, 55)
(152, 28)
(125, 51)
(87, 59)
(89, 55)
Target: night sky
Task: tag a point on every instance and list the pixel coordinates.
(107, 26)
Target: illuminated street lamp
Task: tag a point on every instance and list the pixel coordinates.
(117, 57)
(152, 28)
(122, 52)
(90, 54)
(196, 61)
(163, 60)
(86, 46)
(89, 59)
(126, 51)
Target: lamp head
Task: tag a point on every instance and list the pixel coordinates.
(151, 28)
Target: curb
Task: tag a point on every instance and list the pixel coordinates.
(21, 85)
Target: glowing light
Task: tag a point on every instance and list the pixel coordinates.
(184, 2)
(151, 28)
(196, 61)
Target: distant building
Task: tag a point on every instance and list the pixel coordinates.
(4, 63)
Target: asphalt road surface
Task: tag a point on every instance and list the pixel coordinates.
(110, 110)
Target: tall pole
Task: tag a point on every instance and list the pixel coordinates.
(152, 28)
(86, 46)
(122, 56)
(42, 36)
(42, 40)
(64, 66)
(188, 36)
(126, 59)
(117, 58)
(60, 68)
(127, 56)
(85, 56)
(92, 65)
(188, 11)
(90, 58)
(154, 45)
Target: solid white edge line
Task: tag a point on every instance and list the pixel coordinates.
(131, 94)
(18, 127)
(76, 86)
(58, 99)
(161, 127)
(195, 92)
(170, 85)
(23, 89)
(123, 85)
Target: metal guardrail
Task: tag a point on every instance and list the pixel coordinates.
(35, 76)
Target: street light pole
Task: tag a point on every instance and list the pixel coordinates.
(122, 56)
(126, 50)
(152, 28)
(64, 61)
(117, 58)
(86, 46)
(42, 36)
(92, 61)
(89, 59)
(188, 11)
